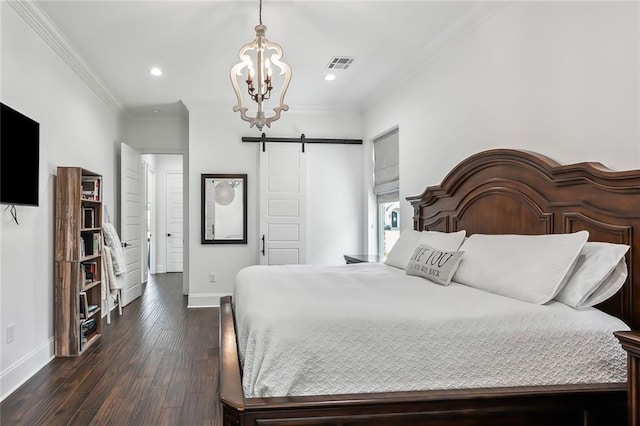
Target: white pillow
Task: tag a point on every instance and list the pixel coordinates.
(435, 265)
(409, 239)
(610, 285)
(531, 268)
(599, 273)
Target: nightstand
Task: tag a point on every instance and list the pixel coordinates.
(361, 258)
(630, 341)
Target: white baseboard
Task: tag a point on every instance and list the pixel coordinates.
(160, 269)
(21, 371)
(205, 300)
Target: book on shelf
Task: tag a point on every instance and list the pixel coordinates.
(96, 243)
(90, 244)
(88, 325)
(88, 217)
(84, 305)
(91, 188)
(87, 244)
(87, 329)
(90, 271)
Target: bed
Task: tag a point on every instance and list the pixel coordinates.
(493, 192)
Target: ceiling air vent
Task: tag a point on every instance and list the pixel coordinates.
(340, 62)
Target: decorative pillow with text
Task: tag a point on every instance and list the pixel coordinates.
(410, 239)
(433, 264)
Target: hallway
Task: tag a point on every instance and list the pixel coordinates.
(157, 364)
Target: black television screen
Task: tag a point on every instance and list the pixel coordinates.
(19, 158)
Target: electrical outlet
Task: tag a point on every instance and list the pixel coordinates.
(10, 333)
(212, 277)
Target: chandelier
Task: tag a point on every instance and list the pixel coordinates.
(256, 60)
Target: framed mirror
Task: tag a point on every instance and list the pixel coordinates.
(224, 209)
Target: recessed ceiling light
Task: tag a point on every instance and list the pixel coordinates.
(330, 77)
(155, 71)
(155, 111)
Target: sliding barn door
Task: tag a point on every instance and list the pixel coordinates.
(283, 205)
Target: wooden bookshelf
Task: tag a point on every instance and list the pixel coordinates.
(78, 260)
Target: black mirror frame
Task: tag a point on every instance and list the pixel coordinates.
(204, 177)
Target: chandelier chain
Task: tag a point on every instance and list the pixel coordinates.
(260, 12)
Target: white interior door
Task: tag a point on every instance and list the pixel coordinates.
(174, 221)
(283, 205)
(131, 214)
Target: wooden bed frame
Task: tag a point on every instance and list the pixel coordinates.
(494, 192)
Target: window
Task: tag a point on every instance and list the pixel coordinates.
(386, 189)
(388, 226)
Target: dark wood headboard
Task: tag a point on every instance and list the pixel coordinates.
(505, 191)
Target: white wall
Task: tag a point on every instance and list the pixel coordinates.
(558, 78)
(162, 135)
(334, 202)
(76, 129)
(334, 190)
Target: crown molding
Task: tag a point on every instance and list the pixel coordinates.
(33, 15)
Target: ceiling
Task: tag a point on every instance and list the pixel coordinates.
(195, 43)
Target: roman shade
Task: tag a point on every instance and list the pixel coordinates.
(386, 171)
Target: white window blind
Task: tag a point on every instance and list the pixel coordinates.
(386, 170)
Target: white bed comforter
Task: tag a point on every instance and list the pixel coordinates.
(314, 330)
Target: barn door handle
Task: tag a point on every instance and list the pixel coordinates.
(125, 245)
(263, 245)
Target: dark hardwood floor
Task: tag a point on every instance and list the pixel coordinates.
(157, 364)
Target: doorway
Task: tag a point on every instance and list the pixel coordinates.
(163, 212)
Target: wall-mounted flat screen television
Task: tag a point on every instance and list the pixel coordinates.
(19, 158)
